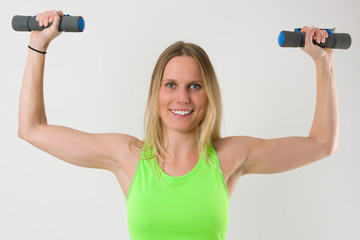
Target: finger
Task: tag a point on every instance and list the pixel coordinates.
(321, 36)
(55, 13)
(46, 21)
(309, 35)
(56, 19)
(38, 18)
(52, 15)
(304, 29)
(318, 35)
(324, 37)
(49, 17)
(41, 21)
(56, 23)
(326, 34)
(61, 14)
(45, 17)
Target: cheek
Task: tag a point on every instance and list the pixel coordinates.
(202, 100)
(163, 99)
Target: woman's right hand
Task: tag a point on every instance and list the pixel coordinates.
(40, 40)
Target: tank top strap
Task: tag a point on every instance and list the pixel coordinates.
(212, 154)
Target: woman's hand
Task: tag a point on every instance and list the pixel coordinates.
(317, 53)
(40, 40)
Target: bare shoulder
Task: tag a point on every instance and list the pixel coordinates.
(93, 150)
(126, 148)
(232, 152)
(126, 152)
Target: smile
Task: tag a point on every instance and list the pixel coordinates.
(181, 113)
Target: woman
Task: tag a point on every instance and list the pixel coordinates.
(182, 130)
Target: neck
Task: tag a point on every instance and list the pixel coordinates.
(180, 145)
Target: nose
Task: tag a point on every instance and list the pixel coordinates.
(183, 96)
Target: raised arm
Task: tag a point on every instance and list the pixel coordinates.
(105, 151)
(32, 109)
(284, 154)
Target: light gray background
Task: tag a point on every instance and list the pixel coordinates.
(97, 81)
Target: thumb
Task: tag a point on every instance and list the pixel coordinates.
(309, 36)
(56, 23)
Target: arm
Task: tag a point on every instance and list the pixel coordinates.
(104, 151)
(325, 127)
(284, 154)
(32, 109)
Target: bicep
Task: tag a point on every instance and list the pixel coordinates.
(282, 154)
(92, 150)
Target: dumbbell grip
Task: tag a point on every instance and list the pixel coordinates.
(67, 24)
(297, 39)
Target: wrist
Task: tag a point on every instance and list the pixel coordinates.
(39, 46)
(323, 62)
(324, 67)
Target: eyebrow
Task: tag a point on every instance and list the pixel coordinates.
(170, 79)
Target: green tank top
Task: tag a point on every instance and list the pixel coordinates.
(191, 206)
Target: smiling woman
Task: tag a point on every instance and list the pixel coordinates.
(183, 99)
(183, 121)
(183, 80)
(179, 179)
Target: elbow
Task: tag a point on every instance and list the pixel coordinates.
(20, 134)
(24, 131)
(331, 149)
(335, 149)
(23, 135)
(328, 147)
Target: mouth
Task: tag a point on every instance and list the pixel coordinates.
(181, 113)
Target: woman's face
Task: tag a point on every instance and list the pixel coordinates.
(182, 100)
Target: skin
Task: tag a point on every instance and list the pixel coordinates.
(40, 40)
(239, 155)
(182, 88)
(318, 54)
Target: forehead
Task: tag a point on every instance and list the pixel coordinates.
(182, 67)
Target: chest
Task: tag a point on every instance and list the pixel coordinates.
(199, 207)
(229, 167)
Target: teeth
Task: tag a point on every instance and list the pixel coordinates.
(181, 112)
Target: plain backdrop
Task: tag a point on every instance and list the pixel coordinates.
(97, 81)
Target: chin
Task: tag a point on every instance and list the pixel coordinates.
(183, 129)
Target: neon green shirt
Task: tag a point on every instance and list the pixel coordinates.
(192, 206)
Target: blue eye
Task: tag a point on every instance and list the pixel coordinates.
(198, 86)
(169, 84)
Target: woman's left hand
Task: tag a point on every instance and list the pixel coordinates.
(317, 53)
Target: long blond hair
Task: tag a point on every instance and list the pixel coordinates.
(209, 130)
